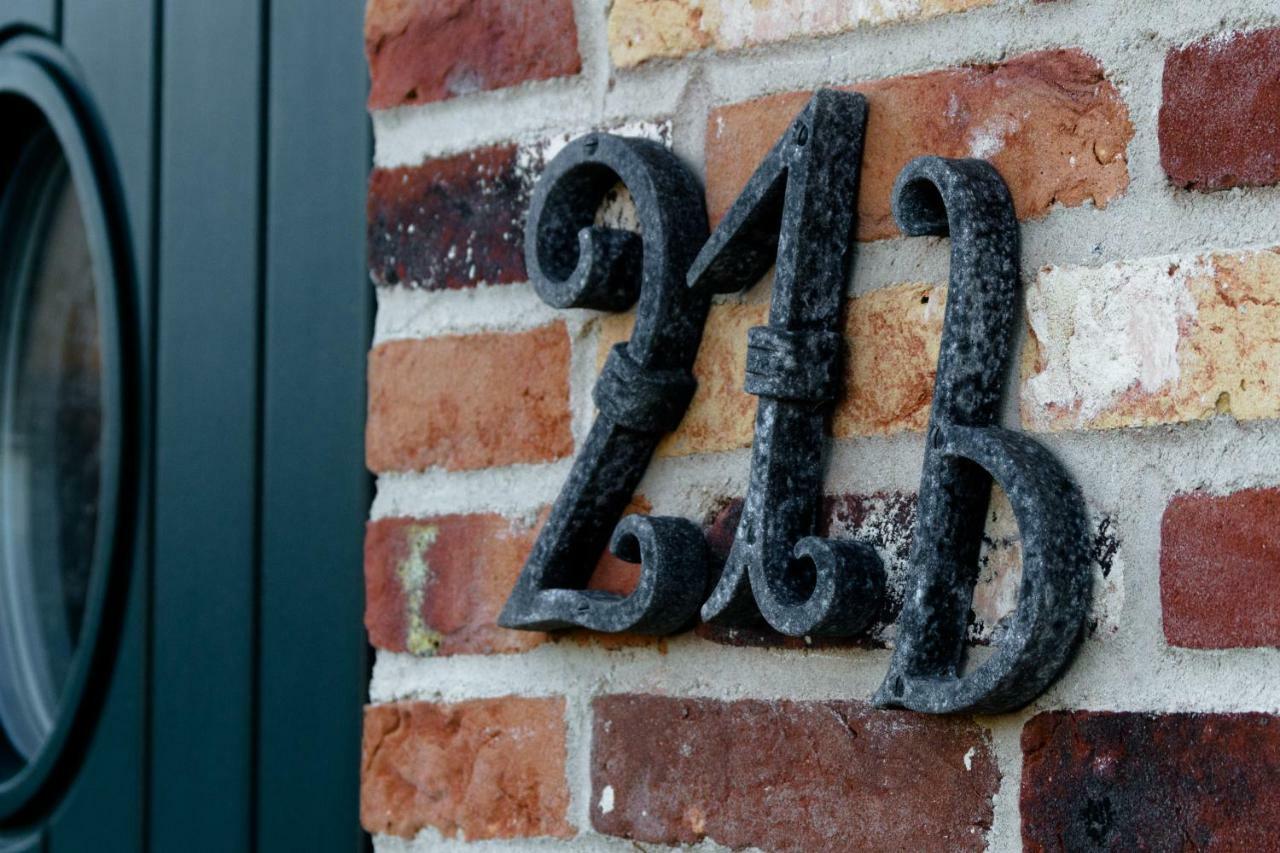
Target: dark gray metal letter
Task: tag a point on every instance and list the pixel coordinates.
(965, 450)
(798, 208)
(642, 392)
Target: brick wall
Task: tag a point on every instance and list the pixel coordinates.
(1141, 142)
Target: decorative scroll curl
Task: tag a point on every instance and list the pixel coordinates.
(797, 212)
(965, 450)
(642, 392)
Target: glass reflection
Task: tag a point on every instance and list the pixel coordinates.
(50, 443)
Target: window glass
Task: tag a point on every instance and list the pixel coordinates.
(50, 440)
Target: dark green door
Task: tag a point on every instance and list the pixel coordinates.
(202, 659)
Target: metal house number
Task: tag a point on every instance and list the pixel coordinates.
(797, 214)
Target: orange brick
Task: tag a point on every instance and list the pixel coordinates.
(892, 336)
(1050, 121)
(488, 768)
(472, 401)
(721, 415)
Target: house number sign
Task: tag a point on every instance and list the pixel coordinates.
(797, 214)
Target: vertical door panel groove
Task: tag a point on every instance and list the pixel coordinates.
(315, 489)
(207, 427)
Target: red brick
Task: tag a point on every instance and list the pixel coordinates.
(612, 574)
(785, 775)
(1220, 112)
(1125, 781)
(472, 401)
(1220, 569)
(429, 50)
(437, 585)
(449, 223)
(1051, 122)
(488, 768)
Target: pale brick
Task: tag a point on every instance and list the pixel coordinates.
(640, 30)
(649, 29)
(1160, 340)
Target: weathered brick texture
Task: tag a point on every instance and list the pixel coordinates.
(886, 521)
(449, 223)
(1051, 122)
(1123, 781)
(892, 338)
(640, 30)
(437, 585)
(429, 50)
(789, 776)
(488, 768)
(1220, 112)
(1160, 340)
(1157, 344)
(471, 401)
(1220, 569)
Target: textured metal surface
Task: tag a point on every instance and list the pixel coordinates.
(797, 211)
(642, 392)
(965, 450)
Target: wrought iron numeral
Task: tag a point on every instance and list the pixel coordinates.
(798, 211)
(965, 450)
(642, 392)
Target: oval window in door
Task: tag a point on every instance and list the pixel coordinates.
(50, 443)
(67, 428)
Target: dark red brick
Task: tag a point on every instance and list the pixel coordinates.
(1126, 781)
(488, 768)
(789, 776)
(429, 50)
(1220, 112)
(449, 223)
(1220, 569)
